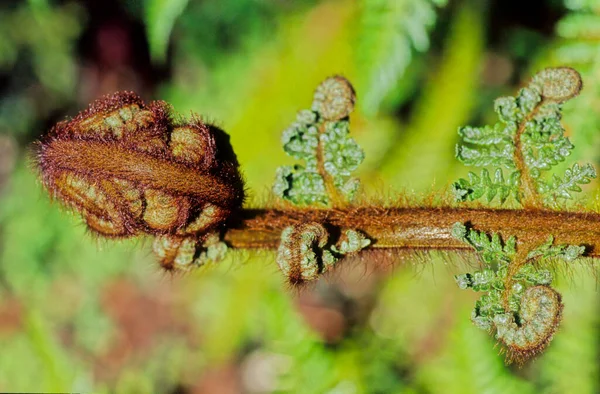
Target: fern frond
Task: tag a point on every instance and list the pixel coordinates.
(321, 138)
(529, 138)
(390, 32)
(519, 305)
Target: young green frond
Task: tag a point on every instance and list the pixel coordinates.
(529, 139)
(519, 305)
(320, 137)
(492, 250)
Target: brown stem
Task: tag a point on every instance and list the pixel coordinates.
(530, 194)
(421, 228)
(518, 262)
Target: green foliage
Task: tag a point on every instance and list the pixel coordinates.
(547, 250)
(238, 21)
(579, 29)
(492, 250)
(422, 149)
(559, 188)
(320, 137)
(390, 33)
(160, 17)
(577, 45)
(301, 184)
(529, 138)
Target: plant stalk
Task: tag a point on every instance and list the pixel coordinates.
(531, 197)
(420, 228)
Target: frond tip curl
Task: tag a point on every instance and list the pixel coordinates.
(305, 251)
(321, 138)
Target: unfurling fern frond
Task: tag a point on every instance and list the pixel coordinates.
(528, 140)
(320, 137)
(519, 306)
(390, 32)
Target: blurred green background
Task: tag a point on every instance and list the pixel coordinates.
(87, 315)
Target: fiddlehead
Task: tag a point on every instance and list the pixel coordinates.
(540, 314)
(528, 140)
(519, 306)
(306, 251)
(321, 138)
(302, 255)
(131, 168)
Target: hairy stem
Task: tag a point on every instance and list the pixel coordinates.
(420, 228)
(513, 268)
(530, 195)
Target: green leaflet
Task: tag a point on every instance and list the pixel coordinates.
(321, 138)
(492, 250)
(300, 186)
(548, 250)
(483, 186)
(562, 188)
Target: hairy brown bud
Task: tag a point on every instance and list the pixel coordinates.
(302, 255)
(131, 168)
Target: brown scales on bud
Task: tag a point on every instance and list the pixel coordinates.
(131, 168)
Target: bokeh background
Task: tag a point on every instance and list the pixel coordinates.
(87, 315)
